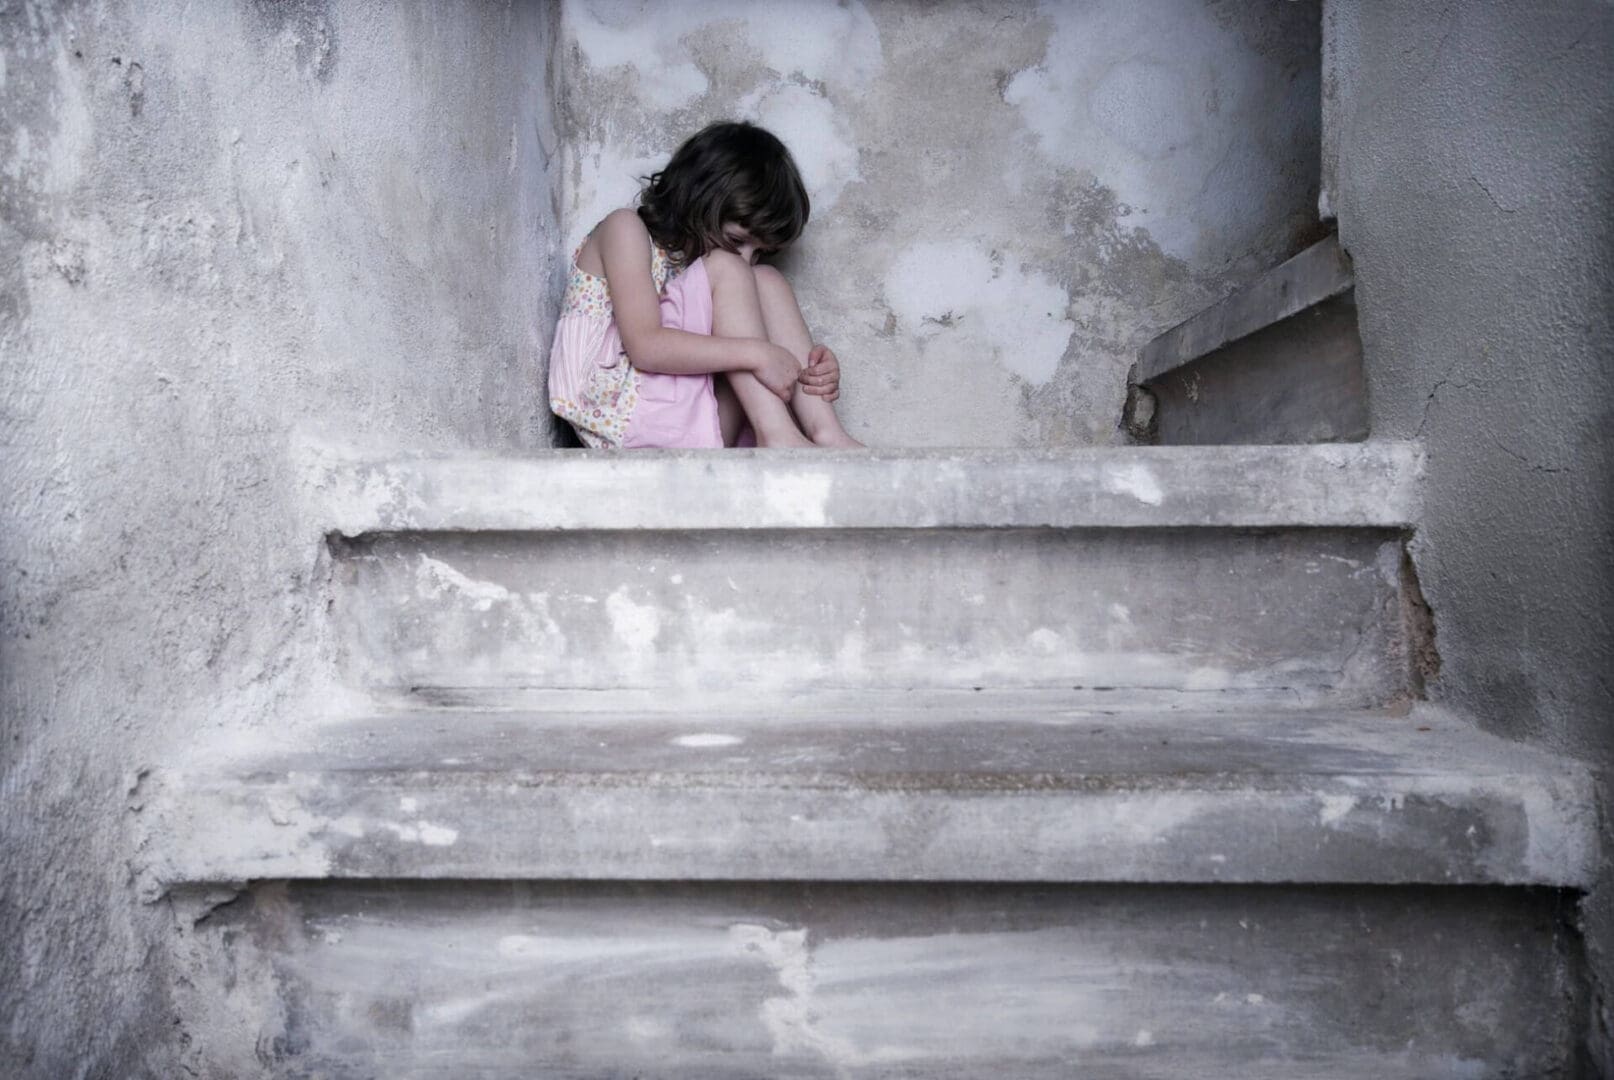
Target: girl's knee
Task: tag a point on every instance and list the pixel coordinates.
(725, 266)
(770, 280)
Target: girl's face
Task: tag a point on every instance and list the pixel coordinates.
(742, 242)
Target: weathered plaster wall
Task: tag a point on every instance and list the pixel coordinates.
(1008, 197)
(225, 228)
(1473, 149)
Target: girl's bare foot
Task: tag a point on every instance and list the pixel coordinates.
(785, 436)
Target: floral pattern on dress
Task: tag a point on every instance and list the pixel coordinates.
(610, 393)
(587, 294)
(601, 419)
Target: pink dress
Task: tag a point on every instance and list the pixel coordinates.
(606, 399)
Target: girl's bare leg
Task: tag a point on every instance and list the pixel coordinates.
(730, 413)
(737, 312)
(786, 328)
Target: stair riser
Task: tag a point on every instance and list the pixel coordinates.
(1278, 361)
(1303, 615)
(1297, 382)
(484, 981)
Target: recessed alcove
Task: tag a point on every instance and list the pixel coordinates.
(1009, 198)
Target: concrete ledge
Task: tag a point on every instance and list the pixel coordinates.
(972, 793)
(1316, 274)
(1370, 484)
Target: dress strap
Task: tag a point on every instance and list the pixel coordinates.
(662, 267)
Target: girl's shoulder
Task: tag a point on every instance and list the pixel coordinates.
(626, 226)
(622, 226)
(618, 227)
(624, 217)
(586, 291)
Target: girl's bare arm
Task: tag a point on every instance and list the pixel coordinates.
(624, 247)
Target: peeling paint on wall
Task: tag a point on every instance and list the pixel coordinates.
(965, 304)
(1174, 108)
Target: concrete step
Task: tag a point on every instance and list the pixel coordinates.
(505, 981)
(979, 790)
(1278, 361)
(877, 892)
(1248, 573)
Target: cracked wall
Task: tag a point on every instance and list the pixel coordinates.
(225, 229)
(1009, 198)
(1471, 163)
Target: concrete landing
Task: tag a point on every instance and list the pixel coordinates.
(970, 792)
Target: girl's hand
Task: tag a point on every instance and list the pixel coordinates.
(822, 375)
(776, 369)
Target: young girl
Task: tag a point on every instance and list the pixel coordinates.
(672, 335)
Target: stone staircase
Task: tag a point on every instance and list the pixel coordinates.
(1100, 763)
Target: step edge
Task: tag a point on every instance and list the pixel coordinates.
(204, 822)
(1374, 484)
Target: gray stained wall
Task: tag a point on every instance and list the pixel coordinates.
(1471, 163)
(225, 229)
(228, 230)
(1009, 198)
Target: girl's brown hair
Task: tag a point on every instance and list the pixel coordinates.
(728, 171)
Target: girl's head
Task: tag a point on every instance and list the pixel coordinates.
(726, 174)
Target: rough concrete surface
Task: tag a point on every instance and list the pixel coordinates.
(1009, 197)
(1302, 617)
(715, 571)
(411, 980)
(1317, 274)
(1473, 149)
(1376, 484)
(220, 223)
(1278, 361)
(894, 790)
(235, 229)
(1297, 381)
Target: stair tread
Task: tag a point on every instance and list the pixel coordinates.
(1372, 484)
(1012, 791)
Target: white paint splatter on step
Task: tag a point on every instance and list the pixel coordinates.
(705, 739)
(1134, 480)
